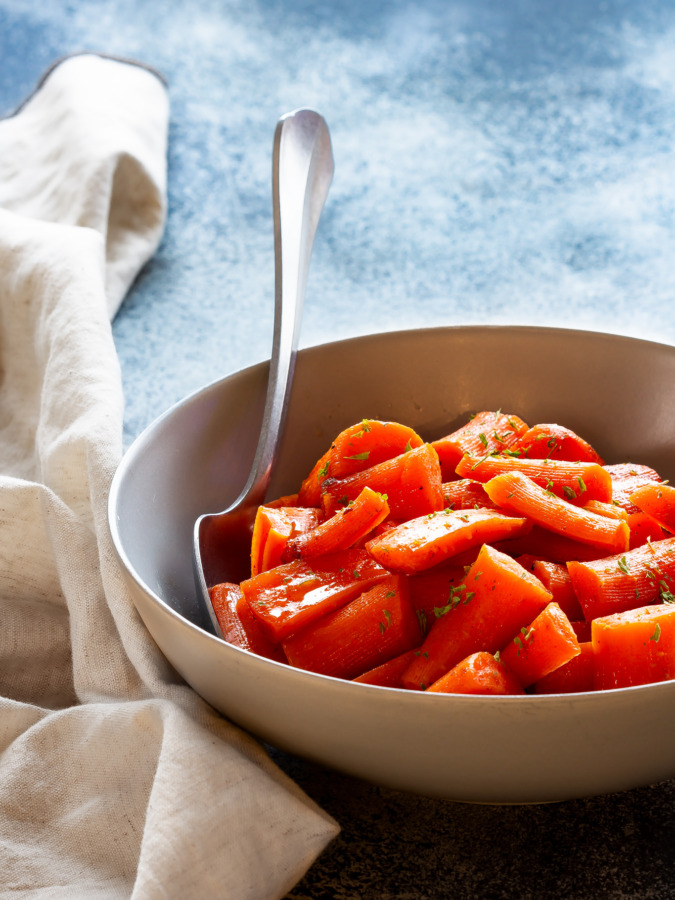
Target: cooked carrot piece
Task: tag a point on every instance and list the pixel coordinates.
(576, 482)
(356, 448)
(541, 647)
(238, 625)
(658, 501)
(272, 529)
(420, 543)
(341, 531)
(546, 545)
(465, 493)
(487, 432)
(516, 493)
(643, 529)
(372, 629)
(575, 677)
(432, 589)
(388, 674)
(411, 481)
(626, 479)
(639, 577)
(634, 647)
(494, 601)
(611, 510)
(555, 442)
(289, 597)
(557, 580)
(479, 673)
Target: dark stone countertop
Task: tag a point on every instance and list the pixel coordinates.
(495, 163)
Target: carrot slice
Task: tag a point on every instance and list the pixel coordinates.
(639, 577)
(479, 673)
(572, 678)
(411, 481)
(516, 493)
(626, 479)
(342, 530)
(358, 447)
(643, 529)
(577, 482)
(634, 647)
(487, 432)
(557, 580)
(556, 442)
(272, 529)
(388, 674)
(423, 542)
(432, 589)
(658, 501)
(494, 601)
(372, 629)
(541, 647)
(238, 625)
(548, 546)
(291, 596)
(465, 493)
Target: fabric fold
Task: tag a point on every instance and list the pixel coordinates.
(115, 778)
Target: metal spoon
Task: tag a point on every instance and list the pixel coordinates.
(302, 170)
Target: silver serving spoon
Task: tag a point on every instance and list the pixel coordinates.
(302, 170)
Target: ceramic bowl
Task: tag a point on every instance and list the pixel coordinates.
(619, 393)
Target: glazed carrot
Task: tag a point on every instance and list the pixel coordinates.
(465, 493)
(548, 546)
(557, 580)
(658, 501)
(555, 442)
(577, 482)
(423, 542)
(289, 597)
(574, 677)
(411, 481)
(272, 529)
(634, 647)
(432, 589)
(494, 601)
(388, 674)
(541, 647)
(626, 479)
(639, 577)
(238, 625)
(370, 630)
(358, 447)
(479, 673)
(516, 493)
(611, 510)
(341, 531)
(643, 529)
(487, 432)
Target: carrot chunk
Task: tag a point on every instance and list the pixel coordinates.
(372, 629)
(272, 529)
(411, 481)
(576, 482)
(291, 596)
(342, 530)
(432, 589)
(487, 432)
(356, 448)
(516, 493)
(658, 501)
(494, 601)
(557, 580)
(388, 674)
(465, 493)
(555, 442)
(634, 647)
(547, 545)
(639, 577)
(238, 625)
(643, 529)
(479, 673)
(541, 647)
(626, 479)
(572, 678)
(428, 540)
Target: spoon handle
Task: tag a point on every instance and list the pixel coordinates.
(302, 171)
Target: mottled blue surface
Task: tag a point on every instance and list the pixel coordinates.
(507, 162)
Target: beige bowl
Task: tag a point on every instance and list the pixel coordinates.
(618, 393)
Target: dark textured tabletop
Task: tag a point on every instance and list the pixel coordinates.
(496, 162)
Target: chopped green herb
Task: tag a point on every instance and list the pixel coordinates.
(657, 634)
(623, 565)
(359, 456)
(323, 471)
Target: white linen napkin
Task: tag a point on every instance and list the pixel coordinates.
(116, 780)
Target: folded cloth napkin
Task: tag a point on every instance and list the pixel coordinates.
(116, 779)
